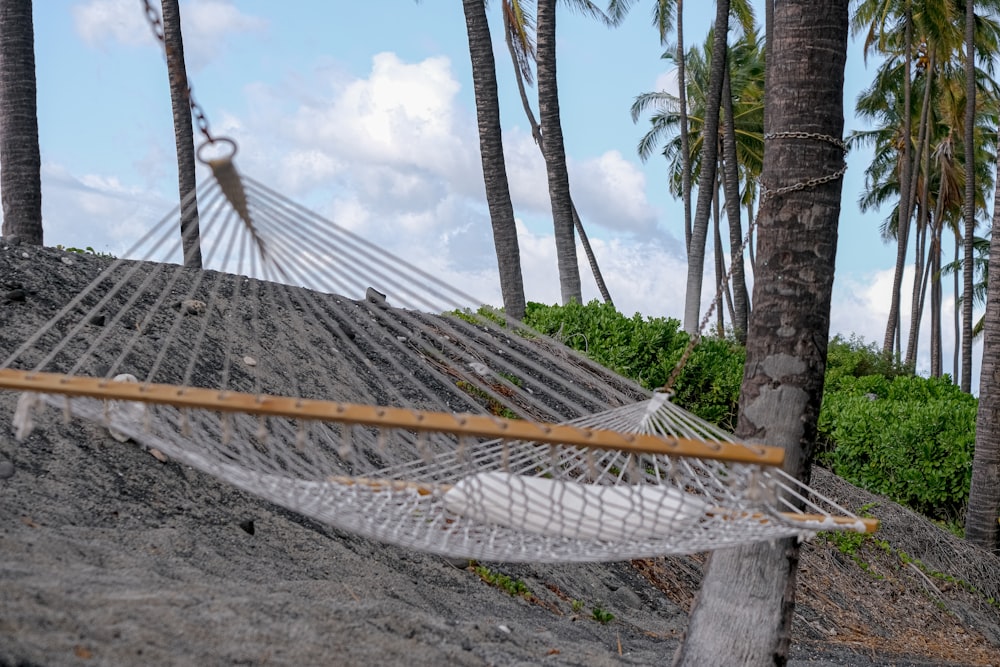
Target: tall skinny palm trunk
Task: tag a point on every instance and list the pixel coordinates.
(706, 180)
(731, 186)
(903, 221)
(484, 82)
(555, 153)
(20, 158)
(969, 205)
(180, 101)
(984, 494)
(536, 132)
(685, 139)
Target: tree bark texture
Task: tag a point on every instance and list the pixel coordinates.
(685, 139)
(706, 179)
(180, 101)
(984, 494)
(743, 613)
(20, 158)
(484, 82)
(902, 221)
(969, 205)
(731, 186)
(555, 152)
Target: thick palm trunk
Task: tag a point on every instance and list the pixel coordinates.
(484, 82)
(685, 139)
(743, 613)
(706, 180)
(180, 101)
(969, 206)
(20, 159)
(536, 132)
(902, 222)
(984, 494)
(731, 186)
(936, 365)
(555, 153)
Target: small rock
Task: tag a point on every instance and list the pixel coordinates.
(25, 255)
(248, 526)
(15, 295)
(372, 295)
(158, 455)
(504, 629)
(249, 361)
(67, 261)
(6, 469)
(193, 306)
(98, 320)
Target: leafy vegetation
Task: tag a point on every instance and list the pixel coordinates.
(647, 350)
(881, 427)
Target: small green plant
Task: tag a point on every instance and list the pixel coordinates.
(87, 250)
(513, 587)
(601, 615)
(577, 606)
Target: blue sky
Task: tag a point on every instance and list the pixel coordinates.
(364, 111)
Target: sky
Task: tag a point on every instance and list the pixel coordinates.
(365, 112)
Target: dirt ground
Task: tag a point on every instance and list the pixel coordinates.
(109, 556)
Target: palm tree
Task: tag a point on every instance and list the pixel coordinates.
(742, 138)
(555, 153)
(518, 26)
(20, 158)
(180, 101)
(491, 149)
(969, 210)
(743, 612)
(706, 180)
(984, 493)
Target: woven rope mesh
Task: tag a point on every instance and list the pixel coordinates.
(291, 305)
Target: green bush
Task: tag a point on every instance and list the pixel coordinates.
(853, 358)
(906, 437)
(647, 350)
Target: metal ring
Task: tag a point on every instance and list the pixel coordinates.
(212, 142)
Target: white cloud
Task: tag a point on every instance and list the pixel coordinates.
(611, 191)
(122, 21)
(206, 24)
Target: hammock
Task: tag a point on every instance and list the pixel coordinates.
(313, 369)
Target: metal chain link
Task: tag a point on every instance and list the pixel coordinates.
(767, 193)
(156, 24)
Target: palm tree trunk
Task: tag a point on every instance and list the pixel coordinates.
(935, 271)
(903, 221)
(536, 132)
(555, 153)
(685, 140)
(984, 494)
(706, 180)
(180, 102)
(922, 267)
(956, 314)
(743, 612)
(969, 205)
(20, 158)
(484, 82)
(731, 186)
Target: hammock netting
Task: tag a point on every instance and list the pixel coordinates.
(311, 368)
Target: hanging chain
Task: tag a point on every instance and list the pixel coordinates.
(156, 24)
(764, 196)
(767, 193)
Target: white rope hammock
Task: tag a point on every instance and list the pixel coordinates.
(282, 369)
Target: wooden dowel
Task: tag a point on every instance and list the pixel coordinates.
(388, 417)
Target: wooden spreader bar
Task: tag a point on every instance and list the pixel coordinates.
(387, 417)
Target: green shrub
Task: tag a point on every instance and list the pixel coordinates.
(909, 438)
(853, 358)
(647, 350)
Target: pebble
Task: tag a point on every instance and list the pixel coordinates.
(67, 261)
(193, 306)
(249, 361)
(15, 295)
(6, 469)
